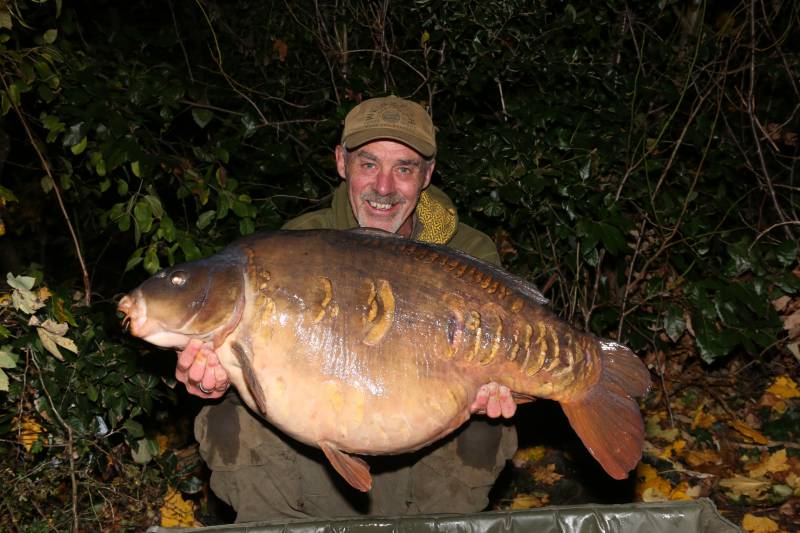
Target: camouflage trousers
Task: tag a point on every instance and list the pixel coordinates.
(265, 475)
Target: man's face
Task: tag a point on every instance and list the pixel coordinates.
(384, 181)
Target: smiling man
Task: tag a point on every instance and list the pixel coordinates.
(386, 158)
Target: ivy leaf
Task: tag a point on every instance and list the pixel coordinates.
(674, 323)
(151, 262)
(202, 116)
(144, 451)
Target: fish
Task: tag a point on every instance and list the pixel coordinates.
(362, 342)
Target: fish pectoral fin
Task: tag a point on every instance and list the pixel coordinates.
(245, 361)
(522, 398)
(353, 469)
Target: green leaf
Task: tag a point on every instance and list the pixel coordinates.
(77, 149)
(613, 239)
(50, 36)
(143, 214)
(134, 259)
(13, 94)
(3, 381)
(151, 262)
(155, 205)
(7, 359)
(46, 184)
(202, 116)
(135, 429)
(205, 219)
(135, 169)
(189, 249)
(20, 282)
(74, 135)
(5, 22)
(674, 324)
(247, 226)
(144, 451)
(122, 187)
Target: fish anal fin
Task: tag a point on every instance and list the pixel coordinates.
(353, 469)
(607, 418)
(249, 374)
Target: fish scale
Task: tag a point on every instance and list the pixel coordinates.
(363, 342)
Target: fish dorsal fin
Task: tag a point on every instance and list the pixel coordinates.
(353, 469)
(249, 374)
(509, 280)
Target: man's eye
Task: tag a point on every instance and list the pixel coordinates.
(368, 166)
(404, 170)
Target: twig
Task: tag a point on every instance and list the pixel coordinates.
(753, 120)
(70, 447)
(180, 41)
(10, 511)
(87, 284)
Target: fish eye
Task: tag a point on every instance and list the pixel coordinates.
(178, 278)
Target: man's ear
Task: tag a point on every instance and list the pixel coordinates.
(340, 161)
(428, 174)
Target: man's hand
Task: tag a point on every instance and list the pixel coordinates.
(494, 400)
(199, 369)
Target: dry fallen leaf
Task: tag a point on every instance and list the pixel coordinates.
(748, 432)
(784, 387)
(775, 462)
(526, 456)
(177, 512)
(701, 457)
(28, 432)
(529, 501)
(547, 474)
(739, 486)
(759, 524)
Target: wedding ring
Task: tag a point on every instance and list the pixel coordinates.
(203, 389)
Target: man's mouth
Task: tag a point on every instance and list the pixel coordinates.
(380, 206)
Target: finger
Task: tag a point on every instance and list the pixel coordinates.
(507, 404)
(220, 378)
(479, 404)
(493, 409)
(187, 355)
(198, 369)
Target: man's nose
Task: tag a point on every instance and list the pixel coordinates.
(384, 182)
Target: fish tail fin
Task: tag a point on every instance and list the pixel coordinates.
(607, 418)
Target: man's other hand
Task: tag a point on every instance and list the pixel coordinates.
(494, 400)
(199, 369)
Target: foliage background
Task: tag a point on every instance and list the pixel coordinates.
(636, 160)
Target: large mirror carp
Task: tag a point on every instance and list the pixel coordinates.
(363, 342)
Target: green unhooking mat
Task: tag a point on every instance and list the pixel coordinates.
(694, 516)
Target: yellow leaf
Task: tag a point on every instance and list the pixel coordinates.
(650, 485)
(28, 432)
(547, 474)
(759, 524)
(525, 456)
(528, 501)
(177, 512)
(673, 449)
(702, 419)
(44, 293)
(653, 429)
(744, 486)
(749, 432)
(776, 462)
(784, 387)
(700, 457)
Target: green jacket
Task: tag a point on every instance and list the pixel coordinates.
(435, 221)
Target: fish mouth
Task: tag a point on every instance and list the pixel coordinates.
(134, 307)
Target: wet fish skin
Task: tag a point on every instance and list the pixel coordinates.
(365, 342)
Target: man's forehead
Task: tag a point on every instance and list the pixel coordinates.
(406, 156)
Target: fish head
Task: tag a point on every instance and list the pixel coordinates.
(197, 300)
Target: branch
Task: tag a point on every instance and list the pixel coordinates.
(87, 284)
(70, 446)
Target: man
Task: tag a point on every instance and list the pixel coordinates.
(386, 158)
